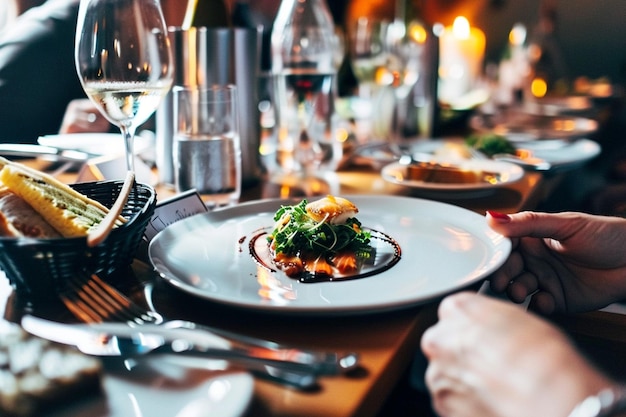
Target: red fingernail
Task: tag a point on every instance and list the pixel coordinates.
(500, 217)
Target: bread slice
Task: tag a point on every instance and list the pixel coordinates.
(18, 219)
(41, 377)
(65, 209)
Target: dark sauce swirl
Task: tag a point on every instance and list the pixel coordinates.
(386, 254)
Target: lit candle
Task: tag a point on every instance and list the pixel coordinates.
(462, 50)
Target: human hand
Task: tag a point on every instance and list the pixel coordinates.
(490, 358)
(566, 262)
(81, 115)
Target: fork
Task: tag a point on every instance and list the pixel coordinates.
(92, 300)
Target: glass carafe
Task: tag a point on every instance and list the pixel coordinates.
(304, 71)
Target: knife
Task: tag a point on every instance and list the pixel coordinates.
(91, 338)
(48, 152)
(121, 340)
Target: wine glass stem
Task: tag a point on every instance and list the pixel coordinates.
(128, 133)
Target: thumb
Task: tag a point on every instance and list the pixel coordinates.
(556, 226)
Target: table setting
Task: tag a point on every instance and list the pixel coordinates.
(182, 305)
(388, 298)
(390, 305)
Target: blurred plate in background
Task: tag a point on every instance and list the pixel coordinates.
(470, 175)
(520, 127)
(94, 143)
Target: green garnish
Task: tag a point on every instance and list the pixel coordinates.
(490, 144)
(300, 233)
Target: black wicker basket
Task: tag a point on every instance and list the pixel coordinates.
(39, 267)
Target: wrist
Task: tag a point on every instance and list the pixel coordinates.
(608, 402)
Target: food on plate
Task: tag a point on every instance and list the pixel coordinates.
(453, 151)
(442, 174)
(320, 238)
(66, 210)
(18, 219)
(600, 87)
(490, 143)
(37, 375)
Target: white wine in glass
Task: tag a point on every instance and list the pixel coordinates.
(367, 53)
(403, 45)
(124, 61)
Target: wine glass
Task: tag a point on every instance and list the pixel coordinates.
(367, 54)
(403, 46)
(124, 61)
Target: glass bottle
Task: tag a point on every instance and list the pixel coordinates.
(206, 13)
(304, 69)
(548, 74)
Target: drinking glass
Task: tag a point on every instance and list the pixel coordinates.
(403, 46)
(367, 54)
(124, 62)
(207, 148)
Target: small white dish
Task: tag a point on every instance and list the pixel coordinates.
(165, 385)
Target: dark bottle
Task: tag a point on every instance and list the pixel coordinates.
(347, 83)
(243, 16)
(549, 73)
(206, 13)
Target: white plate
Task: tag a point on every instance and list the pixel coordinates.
(94, 143)
(566, 155)
(551, 106)
(444, 248)
(520, 127)
(559, 154)
(506, 172)
(168, 386)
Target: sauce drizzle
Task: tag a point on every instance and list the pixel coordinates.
(386, 254)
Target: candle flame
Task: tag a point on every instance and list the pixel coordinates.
(418, 33)
(539, 87)
(461, 28)
(517, 36)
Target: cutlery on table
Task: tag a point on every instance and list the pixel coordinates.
(121, 340)
(530, 162)
(95, 302)
(523, 158)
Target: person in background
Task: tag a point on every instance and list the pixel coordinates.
(40, 92)
(37, 74)
(82, 116)
(488, 357)
(8, 13)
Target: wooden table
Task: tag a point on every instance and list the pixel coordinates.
(386, 342)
